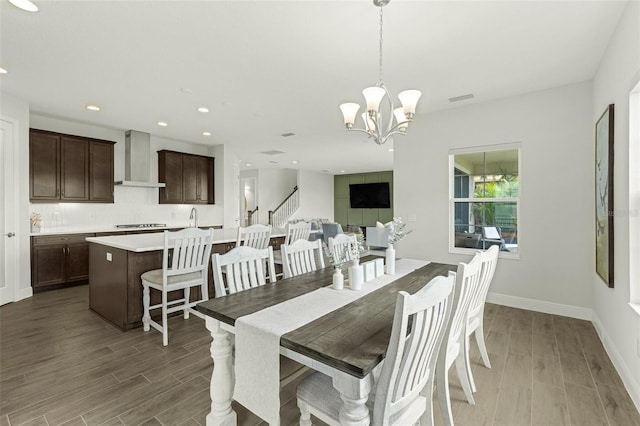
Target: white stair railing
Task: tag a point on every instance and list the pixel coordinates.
(280, 216)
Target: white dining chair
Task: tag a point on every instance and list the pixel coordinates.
(185, 264)
(242, 268)
(343, 246)
(256, 236)
(301, 256)
(475, 318)
(295, 231)
(454, 347)
(403, 392)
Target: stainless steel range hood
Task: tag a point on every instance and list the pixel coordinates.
(137, 159)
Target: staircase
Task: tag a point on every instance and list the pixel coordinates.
(279, 217)
(252, 217)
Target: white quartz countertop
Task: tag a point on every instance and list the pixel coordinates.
(155, 241)
(112, 228)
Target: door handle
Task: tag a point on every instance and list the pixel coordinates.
(10, 234)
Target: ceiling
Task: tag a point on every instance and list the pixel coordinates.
(265, 68)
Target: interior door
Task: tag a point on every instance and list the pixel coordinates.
(8, 247)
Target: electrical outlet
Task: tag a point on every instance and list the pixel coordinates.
(109, 257)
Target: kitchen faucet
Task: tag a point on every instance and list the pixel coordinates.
(193, 216)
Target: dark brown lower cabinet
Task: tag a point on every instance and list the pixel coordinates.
(59, 259)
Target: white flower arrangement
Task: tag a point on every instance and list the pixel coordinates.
(396, 230)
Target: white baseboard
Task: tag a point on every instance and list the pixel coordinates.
(540, 306)
(632, 385)
(25, 293)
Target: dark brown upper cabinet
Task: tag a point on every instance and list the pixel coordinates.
(188, 178)
(66, 168)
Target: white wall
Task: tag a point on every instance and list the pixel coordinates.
(618, 324)
(228, 165)
(132, 205)
(316, 195)
(17, 111)
(556, 220)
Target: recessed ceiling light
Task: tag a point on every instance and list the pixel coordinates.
(3, 71)
(93, 107)
(295, 161)
(342, 171)
(162, 123)
(206, 133)
(203, 109)
(186, 90)
(248, 164)
(390, 149)
(24, 5)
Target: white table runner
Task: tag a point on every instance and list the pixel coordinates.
(257, 360)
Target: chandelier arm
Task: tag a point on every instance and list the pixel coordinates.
(395, 132)
(355, 129)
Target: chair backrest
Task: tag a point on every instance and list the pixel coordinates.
(301, 256)
(244, 268)
(297, 231)
(418, 330)
(488, 262)
(256, 236)
(343, 246)
(330, 230)
(187, 251)
(467, 279)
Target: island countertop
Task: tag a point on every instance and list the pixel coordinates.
(139, 243)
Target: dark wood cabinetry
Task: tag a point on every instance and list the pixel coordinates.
(44, 166)
(59, 259)
(101, 171)
(65, 168)
(188, 178)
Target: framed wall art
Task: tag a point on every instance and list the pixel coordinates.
(604, 196)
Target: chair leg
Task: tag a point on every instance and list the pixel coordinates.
(444, 398)
(467, 361)
(165, 327)
(145, 302)
(187, 294)
(305, 414)
(481, 344)
(463, 375)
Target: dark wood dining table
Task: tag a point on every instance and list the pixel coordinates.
(346, 344)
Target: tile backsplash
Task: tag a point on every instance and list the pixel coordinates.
(132, 205)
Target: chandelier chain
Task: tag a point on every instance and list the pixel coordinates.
(380, 48)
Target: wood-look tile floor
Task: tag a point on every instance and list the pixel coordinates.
(62, 364)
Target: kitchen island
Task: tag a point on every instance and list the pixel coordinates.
(116, 263)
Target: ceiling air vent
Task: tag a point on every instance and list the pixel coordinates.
(272, 152)
(286, 135)
(461, 98)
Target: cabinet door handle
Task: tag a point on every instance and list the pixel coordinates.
(64, 251)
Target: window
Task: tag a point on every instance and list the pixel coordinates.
(484, 199)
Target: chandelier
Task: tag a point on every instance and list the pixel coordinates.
(377, 126)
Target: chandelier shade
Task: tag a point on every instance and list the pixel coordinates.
(374, 118)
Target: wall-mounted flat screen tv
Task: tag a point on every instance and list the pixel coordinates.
(370, 195)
